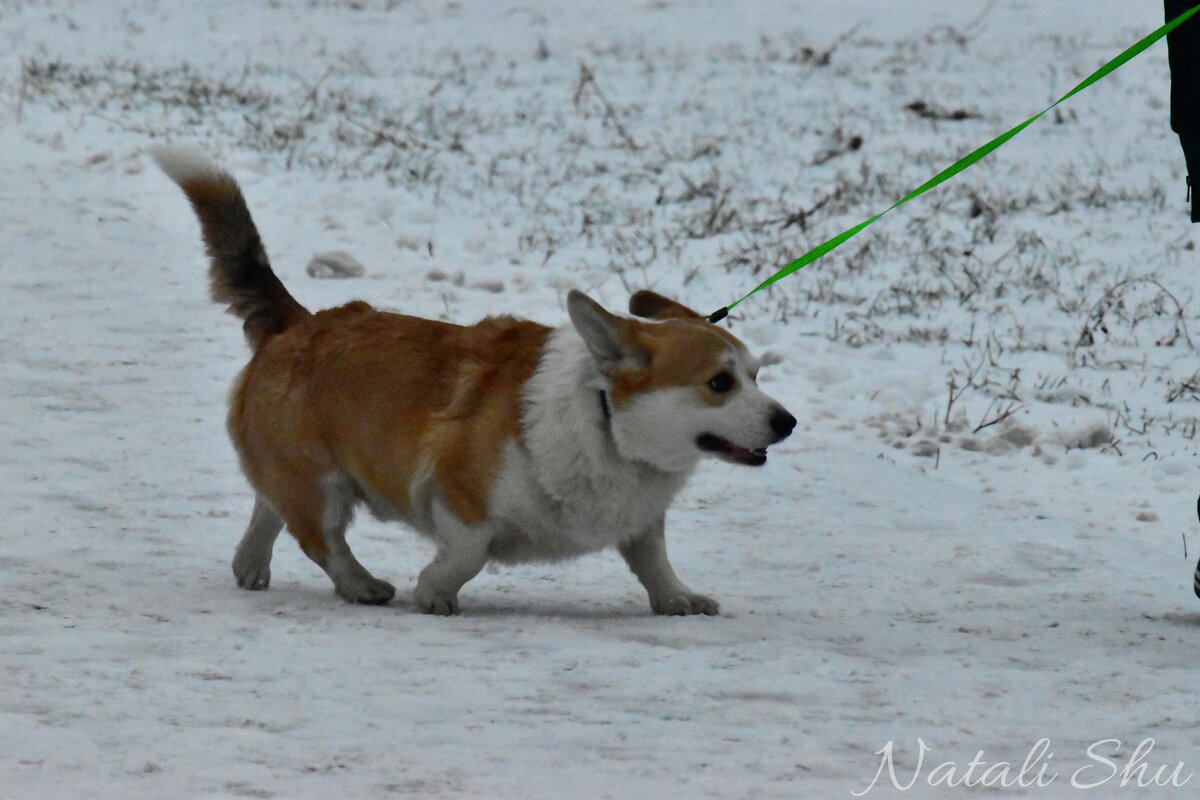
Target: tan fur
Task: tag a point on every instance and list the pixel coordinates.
(681, 353)
(652, 305)
(380, 396)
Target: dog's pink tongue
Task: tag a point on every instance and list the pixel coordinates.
(745, 455)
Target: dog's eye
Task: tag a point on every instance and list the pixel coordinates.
(722, 382)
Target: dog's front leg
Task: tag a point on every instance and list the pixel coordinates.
(462, 552)
(646, 555)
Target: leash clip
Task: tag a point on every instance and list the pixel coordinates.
(718, 315)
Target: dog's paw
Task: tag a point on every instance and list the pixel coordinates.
(368, 590)
(684, 604)
(437, 603)
(252, 570)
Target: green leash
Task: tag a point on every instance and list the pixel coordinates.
(958, 166)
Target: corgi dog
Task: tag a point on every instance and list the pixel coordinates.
(505, 440)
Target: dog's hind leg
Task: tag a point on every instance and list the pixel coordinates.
(300, 484)
(351, 579)
(252, 559)
(317, 512)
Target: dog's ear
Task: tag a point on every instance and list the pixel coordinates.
(609, 338)
(652, 305)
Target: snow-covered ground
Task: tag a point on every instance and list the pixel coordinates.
(901, 569)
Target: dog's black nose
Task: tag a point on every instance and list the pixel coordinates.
(782, 423)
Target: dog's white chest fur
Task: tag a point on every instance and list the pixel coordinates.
(568, 491)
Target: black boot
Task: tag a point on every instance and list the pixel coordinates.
(1190, 141)
(1196, 577)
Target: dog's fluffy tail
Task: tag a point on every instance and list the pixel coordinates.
(239, 271)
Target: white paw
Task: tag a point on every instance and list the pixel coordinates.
(683, 604)
(365, 589)
(252, 569)
(432, 602)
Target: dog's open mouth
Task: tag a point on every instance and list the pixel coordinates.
(728, 451)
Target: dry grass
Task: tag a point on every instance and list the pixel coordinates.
(1001, 275)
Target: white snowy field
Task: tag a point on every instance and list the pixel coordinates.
(974, 539)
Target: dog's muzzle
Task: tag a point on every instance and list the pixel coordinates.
(782, 424)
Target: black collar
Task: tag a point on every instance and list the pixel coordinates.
(604, 409)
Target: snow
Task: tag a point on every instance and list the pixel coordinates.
(899, 570)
